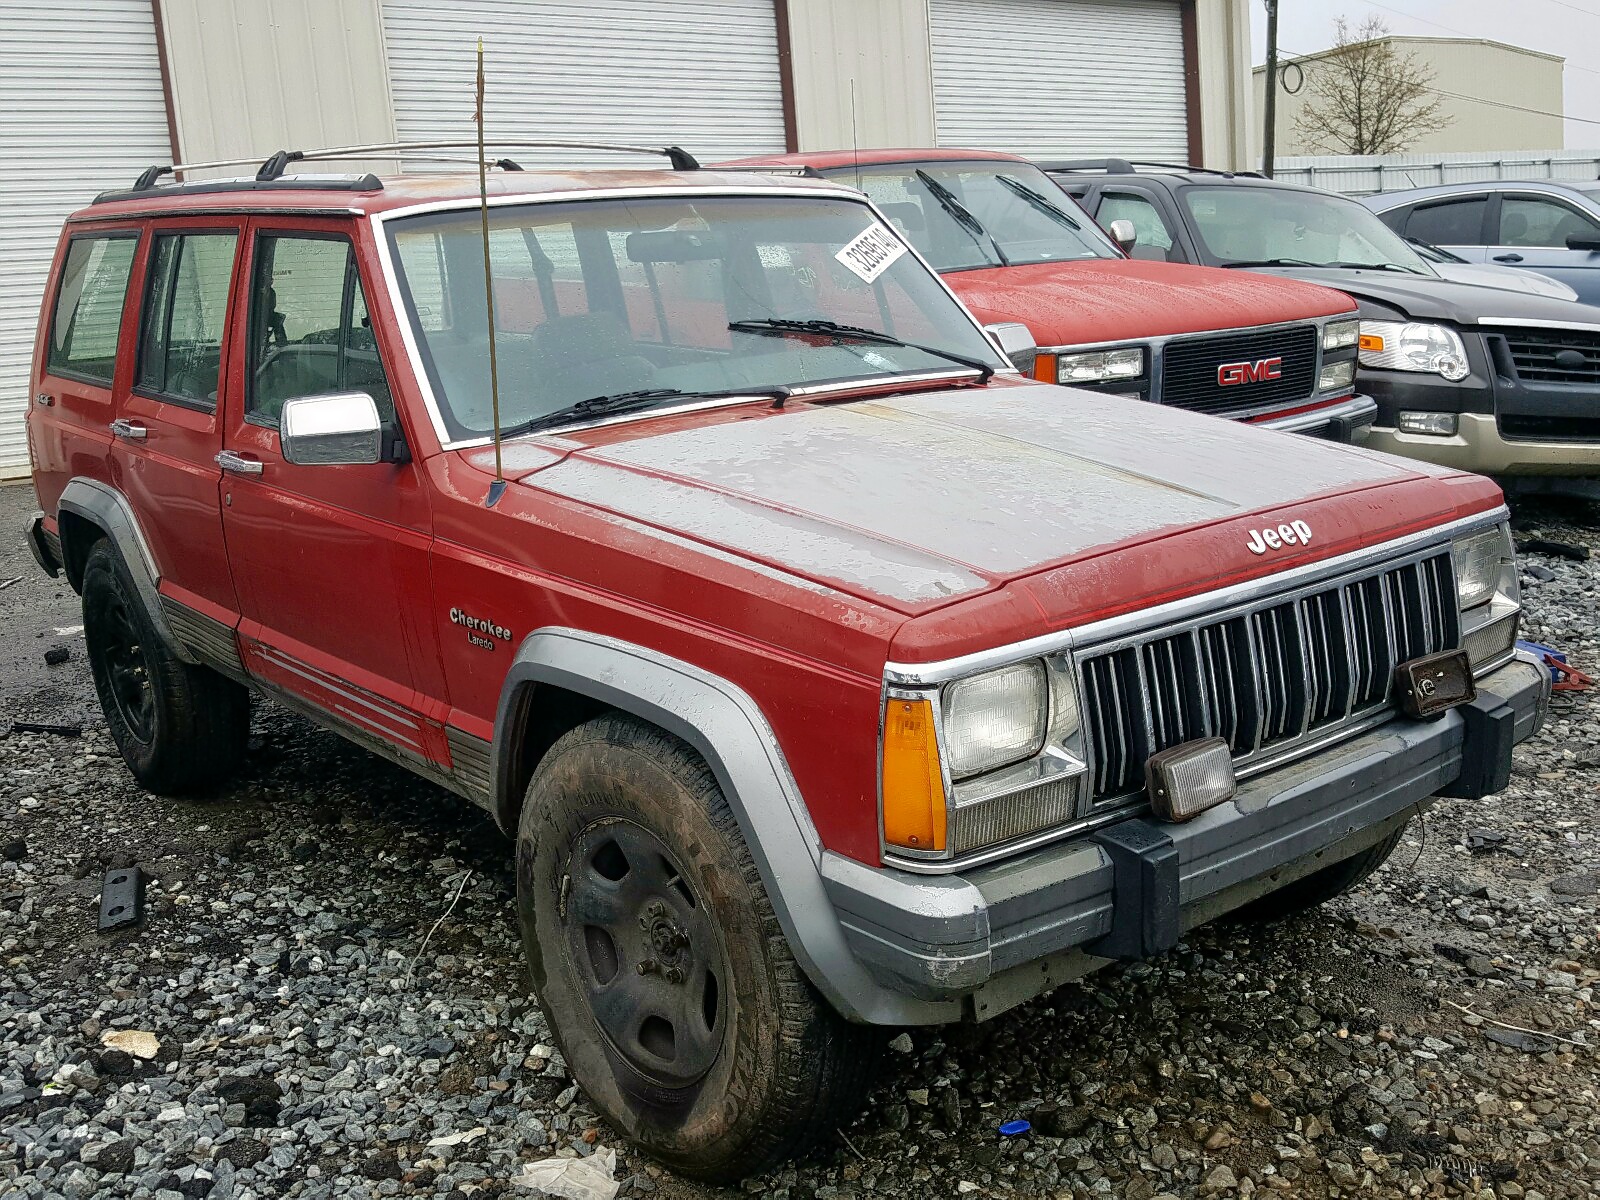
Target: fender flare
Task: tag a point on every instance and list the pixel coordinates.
(727, 729)
(104, 507)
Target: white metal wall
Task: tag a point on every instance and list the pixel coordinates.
(1053, 78)
(702, 74)
(81, 110)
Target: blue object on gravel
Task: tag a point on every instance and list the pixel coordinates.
(1545, 654)
(1013, 1128)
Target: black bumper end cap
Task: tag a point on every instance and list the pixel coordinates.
(39, 545)
(1145, 918)
(1490, 732)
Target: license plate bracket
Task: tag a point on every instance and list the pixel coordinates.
(1432, 685)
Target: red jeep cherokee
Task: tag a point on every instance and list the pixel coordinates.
(1016, 248)
(827, 673)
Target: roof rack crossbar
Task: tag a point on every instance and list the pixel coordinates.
(274, 166)
(1129, 166)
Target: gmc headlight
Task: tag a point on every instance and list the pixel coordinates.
(1337, 376)
(1413, 346)
(995, 719)
(1488, 593)
(1336, 335)
(1100, 366)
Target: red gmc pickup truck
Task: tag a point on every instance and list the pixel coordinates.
(827, 673)
(1016, 248)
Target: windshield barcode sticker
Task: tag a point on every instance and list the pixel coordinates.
(871, 252)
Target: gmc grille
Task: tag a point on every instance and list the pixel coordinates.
(1555, 355)
(1189, 369)
(1263, 678)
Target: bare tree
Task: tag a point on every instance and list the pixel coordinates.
(1364, 97)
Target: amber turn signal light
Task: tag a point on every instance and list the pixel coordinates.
(913, 783)
(1371, 342)
(1045, 369)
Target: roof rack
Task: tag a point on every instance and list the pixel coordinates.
(802, 171)
(1130, 166)
(272, 169)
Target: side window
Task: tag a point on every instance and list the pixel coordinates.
(1452, 223)
(1530, 221)
(1155, 239)
(185, 311)
(88, 309)
(310, 332)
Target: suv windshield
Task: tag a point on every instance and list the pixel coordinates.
(1262, 226)
(611, 298)
(962, 215)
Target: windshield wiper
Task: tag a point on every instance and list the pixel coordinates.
(624, 402)
(1028, 196)
(1378, 266)
(781, 326)
(1273, 262)
(959, 214)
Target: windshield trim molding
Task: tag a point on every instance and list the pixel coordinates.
(810, 190)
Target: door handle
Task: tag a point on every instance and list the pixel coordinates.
(1508, 258)
(238, 464)
(131, 431)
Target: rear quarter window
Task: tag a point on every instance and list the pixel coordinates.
(87, 315)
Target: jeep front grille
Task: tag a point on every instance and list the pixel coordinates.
(1555, 355)
(1265, 676)
(1189, 369)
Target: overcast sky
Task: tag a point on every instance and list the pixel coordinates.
(1566, 27)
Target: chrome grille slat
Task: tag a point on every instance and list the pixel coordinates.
(1286, 669)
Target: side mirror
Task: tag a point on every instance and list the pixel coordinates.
(341, 429)
(1583, 241)
(1123, 234)
(1016, 342)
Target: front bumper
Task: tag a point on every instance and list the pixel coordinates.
(1478, 445)
(1000, 935)
(1341, 422)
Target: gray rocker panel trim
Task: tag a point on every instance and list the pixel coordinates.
(727, 729)
(104, 506)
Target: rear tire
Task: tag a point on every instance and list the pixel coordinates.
(1324, 885)
(180, 728)
(661, 967)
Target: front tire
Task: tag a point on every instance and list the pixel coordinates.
(1321, 886)
(180, 728)
(661, 967)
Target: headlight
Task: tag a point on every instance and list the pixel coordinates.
(1100, 366)
(1336, 335)
(995, 719)
(1488, 593)
(1336, 376)
(1413, 346)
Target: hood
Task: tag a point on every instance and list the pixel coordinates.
(1512, 279)
(1114, 300)
(1429, 298)
(921, 501)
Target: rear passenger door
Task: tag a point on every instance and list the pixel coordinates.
(1459, 224)
(331, 561)
(168, 429)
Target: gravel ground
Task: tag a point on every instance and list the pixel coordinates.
(328, 971)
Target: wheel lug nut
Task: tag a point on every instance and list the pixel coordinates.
(648, 966)
(674, 975)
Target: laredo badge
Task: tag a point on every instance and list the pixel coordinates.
(479, 632)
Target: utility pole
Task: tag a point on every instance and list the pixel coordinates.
(1269, 134)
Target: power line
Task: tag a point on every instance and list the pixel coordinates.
(1462, 32)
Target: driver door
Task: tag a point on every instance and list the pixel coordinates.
(331, 562)
(1532, 232)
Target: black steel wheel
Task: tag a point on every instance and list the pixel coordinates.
(653, 960)
(180, 727)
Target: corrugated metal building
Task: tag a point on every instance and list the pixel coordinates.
(1496, 97)
(95, 90)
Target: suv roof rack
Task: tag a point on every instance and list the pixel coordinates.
(1130, 166)
(271, 170)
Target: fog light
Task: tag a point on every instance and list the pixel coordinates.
(1337, 375)
(1431, 423)
(1186, 780)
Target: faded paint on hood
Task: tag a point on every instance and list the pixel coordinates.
(919, 500)
(1115, 300)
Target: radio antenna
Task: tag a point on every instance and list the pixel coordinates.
(855, 137)
(498, 487)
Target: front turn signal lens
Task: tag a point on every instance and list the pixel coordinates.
(1044, 368)
(1372, 343)
(914, 814)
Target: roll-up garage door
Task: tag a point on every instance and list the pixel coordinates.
(702, 74)
(80, 94)
(1054, 78)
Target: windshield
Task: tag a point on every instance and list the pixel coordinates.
(603, 297)
(1261, 226)
(962, 215)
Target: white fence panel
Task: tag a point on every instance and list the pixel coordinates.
(1365, 174)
